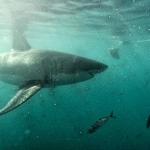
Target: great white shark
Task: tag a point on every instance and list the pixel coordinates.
(33, 69)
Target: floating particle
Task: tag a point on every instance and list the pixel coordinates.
(27, 132)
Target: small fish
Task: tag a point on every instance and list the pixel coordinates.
(114, 53)
(100, 122)
(148, 122)
(139, 135)
(127, 137)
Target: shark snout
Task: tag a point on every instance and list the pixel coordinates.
(93, 67)
(88, 65)
(98, 68)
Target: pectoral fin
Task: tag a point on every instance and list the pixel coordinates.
(25, 92)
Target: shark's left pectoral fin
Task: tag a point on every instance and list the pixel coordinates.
(25, 92)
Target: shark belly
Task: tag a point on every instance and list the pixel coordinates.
(12, 79)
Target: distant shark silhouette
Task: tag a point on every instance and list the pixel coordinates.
(32, 69)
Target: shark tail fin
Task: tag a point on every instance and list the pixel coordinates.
(111, 115)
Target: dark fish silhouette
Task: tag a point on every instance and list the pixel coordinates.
(139, 135)
(114, 53)
(100, 122)
(148, 122)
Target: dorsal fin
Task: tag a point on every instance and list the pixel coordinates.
(19, 42)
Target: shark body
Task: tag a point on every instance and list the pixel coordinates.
(33, 69)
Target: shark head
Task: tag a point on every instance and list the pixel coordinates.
(86, 68)
(72, 69)
(89, 66)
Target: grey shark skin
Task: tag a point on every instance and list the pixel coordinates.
(100, 122)
(32, 69)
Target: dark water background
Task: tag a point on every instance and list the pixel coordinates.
(59, 118)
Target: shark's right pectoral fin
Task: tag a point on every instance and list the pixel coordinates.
(25, 92)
